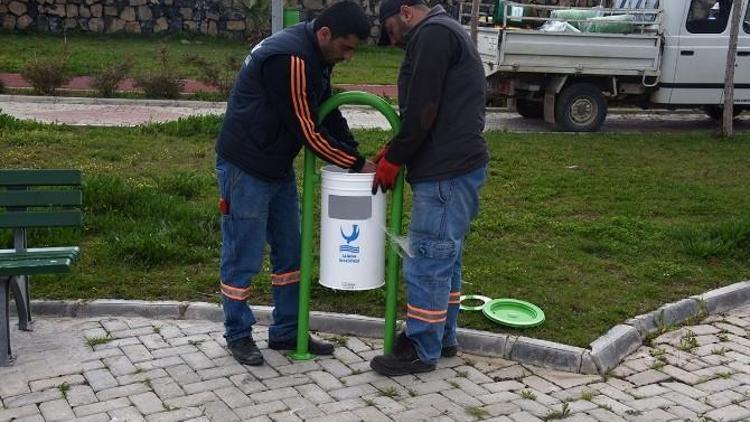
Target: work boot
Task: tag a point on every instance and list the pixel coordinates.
(246, 352)
(449, 351)
(314, 345)
(402, 361)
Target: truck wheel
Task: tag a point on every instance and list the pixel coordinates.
(717, 112)
(530, 109)
(580, 108)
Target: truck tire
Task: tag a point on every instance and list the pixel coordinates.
(580, 107)
(717, 112)
(530, 109)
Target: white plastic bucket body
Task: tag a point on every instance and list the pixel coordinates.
(352, 240)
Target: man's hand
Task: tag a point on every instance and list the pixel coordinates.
(369, 167)
(385, 176)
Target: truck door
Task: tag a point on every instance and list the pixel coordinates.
(704, 39)
(742, 72)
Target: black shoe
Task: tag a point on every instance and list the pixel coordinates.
(246, 352)
(449, 351)
(314, 346)
(402, 361)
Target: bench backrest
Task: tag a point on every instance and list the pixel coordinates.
(40, 198)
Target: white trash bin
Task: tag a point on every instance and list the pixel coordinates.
(352, 241)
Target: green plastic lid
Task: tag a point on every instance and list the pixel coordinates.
(513, 313)
(483, 299)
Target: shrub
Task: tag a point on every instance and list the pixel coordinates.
(165, 82)
(47, 74)
(218, 75)
(109, 77)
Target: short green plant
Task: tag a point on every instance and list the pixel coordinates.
(688, 341)
(64, 388)
(94, 341)
(720, 351)
(369, 402)
(528, 395)
(723, 337)
(218, 75)
(165, 82)
(108, 78)
(658, 364)
(563, 413)
(391, 392)
(587, 395)
(633, 412)
(724, 375)
(47, 74)
(477, 412)
(340, 341)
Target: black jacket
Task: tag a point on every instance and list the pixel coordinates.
(273, 107)
(441, 93)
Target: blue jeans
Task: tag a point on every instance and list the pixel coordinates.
(258, 212)
(441, 214)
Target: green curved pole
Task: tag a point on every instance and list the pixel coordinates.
(308, 188)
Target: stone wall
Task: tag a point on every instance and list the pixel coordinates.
(213, 17)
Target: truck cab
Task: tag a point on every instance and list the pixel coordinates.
(671, 55)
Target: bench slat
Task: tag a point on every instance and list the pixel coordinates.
(35, 266)
(40, 177)
(40, 219)
(54, 249)
(21, 256)
(30, 198)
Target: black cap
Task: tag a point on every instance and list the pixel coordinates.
(389, 8)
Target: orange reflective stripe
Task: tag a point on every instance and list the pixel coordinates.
(302, 111)
(425, 311)
(285, 279)
(454, 298)
(235, 293)
(427, 320)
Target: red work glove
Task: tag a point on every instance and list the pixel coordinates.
(385, 176)
(380, 154)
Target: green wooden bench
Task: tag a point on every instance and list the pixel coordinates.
(33, 199)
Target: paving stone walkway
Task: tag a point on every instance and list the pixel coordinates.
(119, 369)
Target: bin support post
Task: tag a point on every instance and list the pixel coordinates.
(308, 189)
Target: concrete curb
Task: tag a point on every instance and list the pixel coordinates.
(605, 353)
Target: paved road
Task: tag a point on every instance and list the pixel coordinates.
(166, 370)
(77, 111)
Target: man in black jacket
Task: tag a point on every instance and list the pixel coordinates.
(271, 113)
(441, 93)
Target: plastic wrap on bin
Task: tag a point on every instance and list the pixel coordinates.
(574, 15)
(558, 26)
(616, 24)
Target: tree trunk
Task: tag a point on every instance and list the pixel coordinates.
(474, 20)
(727, 127)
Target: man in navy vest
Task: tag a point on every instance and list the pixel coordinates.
(271, 114)
(441, 93)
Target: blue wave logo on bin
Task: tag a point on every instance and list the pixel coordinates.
(349, 239)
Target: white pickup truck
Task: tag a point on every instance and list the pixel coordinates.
(567, 70)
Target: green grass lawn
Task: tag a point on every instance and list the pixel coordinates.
(593, 228)
(90, 52)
